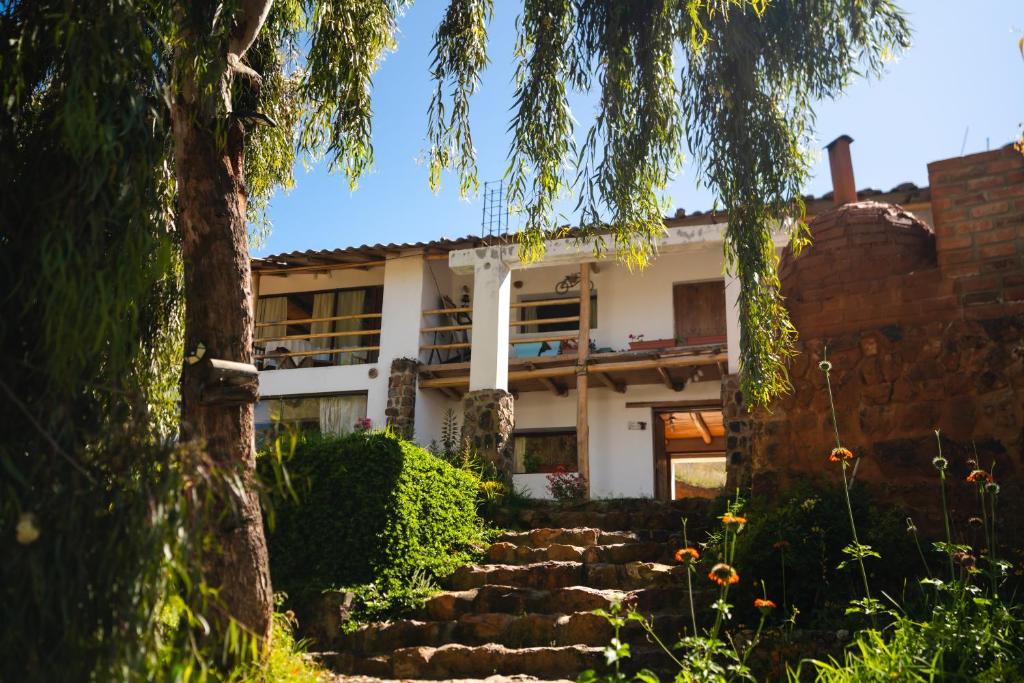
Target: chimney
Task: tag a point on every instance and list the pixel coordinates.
(844, 188)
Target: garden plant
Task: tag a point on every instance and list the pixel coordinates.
(956, 622)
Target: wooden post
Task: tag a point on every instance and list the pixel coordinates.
(582, 356)
(255, 295)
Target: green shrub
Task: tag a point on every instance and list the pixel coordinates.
(368, 507)
(806, 533)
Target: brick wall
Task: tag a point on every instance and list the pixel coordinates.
(925, 331)
(978, 205)
(870, 265)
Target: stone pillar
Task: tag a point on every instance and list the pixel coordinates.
(487, 422)
(737, 435)
(492, 291)
(401, 409)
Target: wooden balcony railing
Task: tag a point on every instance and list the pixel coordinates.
(458, 333)
(264, 353)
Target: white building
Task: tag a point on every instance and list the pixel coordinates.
(634, 400)
(330, 324)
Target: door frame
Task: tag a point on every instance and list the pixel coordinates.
(661, 458)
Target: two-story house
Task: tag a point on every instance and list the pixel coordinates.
(614, 372)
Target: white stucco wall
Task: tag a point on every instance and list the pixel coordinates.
(621, 459)
(628, 303)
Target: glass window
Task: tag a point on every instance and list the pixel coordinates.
(325, 414)
(535, 452)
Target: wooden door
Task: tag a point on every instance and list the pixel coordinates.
(699, 312)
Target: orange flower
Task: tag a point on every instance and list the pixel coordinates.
(732, 519)
(781, 545)
(840, 454)
(979, 477)
(687, 555)
(723, 574)
(764, 605)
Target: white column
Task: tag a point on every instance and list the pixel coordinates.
(732, 322)
(492, 289)
(399, 325)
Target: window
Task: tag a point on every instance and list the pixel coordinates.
(325, 414)
(309, 329)
(548, 311)
(542, 451)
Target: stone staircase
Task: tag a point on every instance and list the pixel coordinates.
(527, 614)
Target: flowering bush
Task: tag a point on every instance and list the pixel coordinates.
(566, 486)
(364, 424)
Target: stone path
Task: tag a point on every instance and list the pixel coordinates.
(526, 614)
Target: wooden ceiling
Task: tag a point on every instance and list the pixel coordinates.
(700, 423)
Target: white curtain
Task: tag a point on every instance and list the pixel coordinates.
(350, 302)
(271, 309)
(323, 307)
(338, 414)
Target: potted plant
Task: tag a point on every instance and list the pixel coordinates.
(638, 343)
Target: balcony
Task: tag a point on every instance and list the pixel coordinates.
(540, 361)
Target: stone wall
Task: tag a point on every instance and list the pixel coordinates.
(894, 386)
(924, 330)
(401, 408)
(488, 418)
(737, 434)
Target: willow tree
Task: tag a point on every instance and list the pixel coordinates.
(168, 124)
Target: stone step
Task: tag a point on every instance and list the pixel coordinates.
(618, 515)
(450, 605)
(620, 553)
(455, 661)
(510, 630)
(583, 536)
(551, 575)
(489, 679)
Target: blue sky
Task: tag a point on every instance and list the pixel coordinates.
(963, 75)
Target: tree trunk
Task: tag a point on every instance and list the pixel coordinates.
(219, 314)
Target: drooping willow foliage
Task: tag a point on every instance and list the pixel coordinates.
(731, 80)
(95, 498)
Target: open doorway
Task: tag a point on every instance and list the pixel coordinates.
(689, 452)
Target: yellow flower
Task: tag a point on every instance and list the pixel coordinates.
(27, 530)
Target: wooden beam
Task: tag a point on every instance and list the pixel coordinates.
(544, 321)
(701, 425)
(321, 335)
(582, 357)
(285, 271)
(668, 380)
(563, 371)
(676, 405)
(555, 388)
(605, 379)
(544, 302)
(302, 321)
